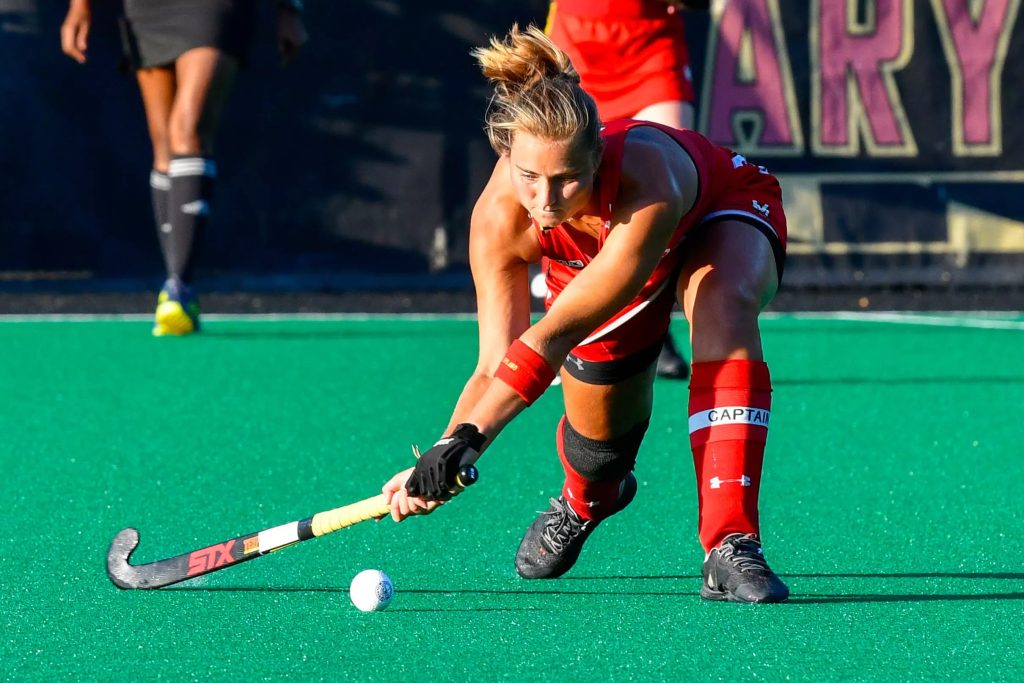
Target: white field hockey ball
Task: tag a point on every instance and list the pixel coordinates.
(539, 286)
(371, 590)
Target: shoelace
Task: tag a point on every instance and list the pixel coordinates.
(562, 526)
(745, 553)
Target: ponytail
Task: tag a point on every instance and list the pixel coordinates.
(536, 90)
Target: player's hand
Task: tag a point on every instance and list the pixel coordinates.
(291, 34)
(434, 477)
(402, 504)
(74, 32)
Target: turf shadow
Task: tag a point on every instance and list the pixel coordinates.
(473, 610)
(545, 592)
(250, 589)
(1017, 576)
(916, 597)
(662, 577)
(421, 591)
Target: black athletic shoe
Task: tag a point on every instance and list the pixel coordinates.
(737, 571)
(553, 542)
(671, 363)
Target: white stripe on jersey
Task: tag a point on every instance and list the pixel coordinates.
(619, 322)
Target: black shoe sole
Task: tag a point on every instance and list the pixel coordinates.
(725, 596)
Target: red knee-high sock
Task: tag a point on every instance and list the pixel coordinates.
(730, 403)
(591, 500)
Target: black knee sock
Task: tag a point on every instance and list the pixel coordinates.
(191, 191)
(160, 187)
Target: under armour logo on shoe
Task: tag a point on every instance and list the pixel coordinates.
(199, 207)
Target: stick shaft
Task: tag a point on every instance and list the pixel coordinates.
(241, 548)
(232, 551)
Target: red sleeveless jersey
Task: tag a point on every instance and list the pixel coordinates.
(729, 187)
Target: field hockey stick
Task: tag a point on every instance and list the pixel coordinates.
(243, 548)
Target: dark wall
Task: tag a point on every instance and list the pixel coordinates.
(350, 159)
(354, 160)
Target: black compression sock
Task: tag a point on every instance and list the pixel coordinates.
(192, 180)
(160, 188)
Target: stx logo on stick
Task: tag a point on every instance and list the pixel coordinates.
(210, 558)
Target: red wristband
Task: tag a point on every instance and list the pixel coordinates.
(525, 371)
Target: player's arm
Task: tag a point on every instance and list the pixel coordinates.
(74, 32)
(660, 186)
(661, 182)
(500, 246)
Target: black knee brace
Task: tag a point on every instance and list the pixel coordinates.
(602, 460)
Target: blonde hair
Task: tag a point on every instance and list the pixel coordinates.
(537, 91)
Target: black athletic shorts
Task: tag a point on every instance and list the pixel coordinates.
(612, 371)
(157, 32)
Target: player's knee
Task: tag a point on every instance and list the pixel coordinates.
(602, 460)
(740, 297)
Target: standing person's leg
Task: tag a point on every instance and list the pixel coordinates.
(597, 440)
(729, 276)
(204, 79)
(675, 113)
(205, 76)
(157, 88)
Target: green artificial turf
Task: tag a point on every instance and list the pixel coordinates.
(892, 505)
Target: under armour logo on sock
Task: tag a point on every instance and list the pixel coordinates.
(716, 483)
(588, 503)
(199, 207)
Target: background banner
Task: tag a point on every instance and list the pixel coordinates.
(892, 124)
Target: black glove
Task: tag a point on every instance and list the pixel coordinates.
(435, 472)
